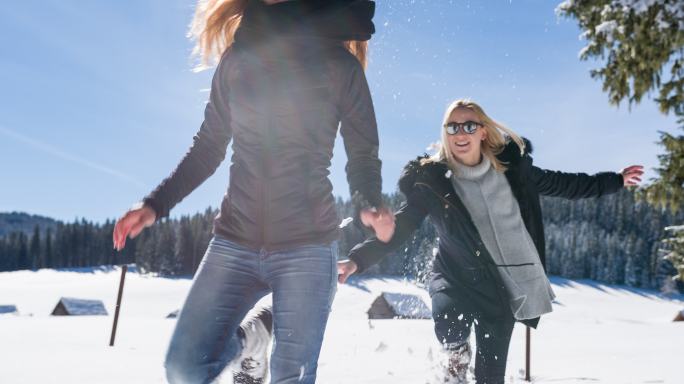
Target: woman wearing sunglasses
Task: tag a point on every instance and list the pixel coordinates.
(481, 192)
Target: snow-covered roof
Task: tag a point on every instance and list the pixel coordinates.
(4, 309)
(407, 305)
(81, 307)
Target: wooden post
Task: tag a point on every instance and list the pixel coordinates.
(527, 354)
(124, 268)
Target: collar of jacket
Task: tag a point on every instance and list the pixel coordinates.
(331, 21)
(436, 174)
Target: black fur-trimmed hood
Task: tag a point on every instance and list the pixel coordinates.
(510, 155)
(511, 151)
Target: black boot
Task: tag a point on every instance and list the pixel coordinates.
(457, 365)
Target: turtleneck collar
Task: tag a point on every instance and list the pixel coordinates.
(472, 173)
(333, 21)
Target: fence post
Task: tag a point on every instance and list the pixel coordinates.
(124, 268)
(527, 354)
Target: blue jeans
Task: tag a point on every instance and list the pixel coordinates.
(229, 281)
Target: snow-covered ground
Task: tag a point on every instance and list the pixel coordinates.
(597, 334)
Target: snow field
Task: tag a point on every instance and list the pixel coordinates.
(597, 334)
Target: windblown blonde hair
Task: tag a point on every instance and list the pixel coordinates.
(497, 137)
(213, 30)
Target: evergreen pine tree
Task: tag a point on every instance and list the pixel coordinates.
(639, 42)
(145, 250)
(47, 249)
(165, 249)
(675, 251)
(4, 251)
(184, 247)
(13, 251)
(23, 261)
(35, 256)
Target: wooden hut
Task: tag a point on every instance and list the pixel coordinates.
(172, 315)
(680, 316)
(399, 306)
(79, 307)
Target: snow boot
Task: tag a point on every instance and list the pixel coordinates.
(255, 333)
(457, 364)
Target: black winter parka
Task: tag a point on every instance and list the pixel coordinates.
(462, 264)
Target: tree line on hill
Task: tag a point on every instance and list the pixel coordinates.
(616, 239)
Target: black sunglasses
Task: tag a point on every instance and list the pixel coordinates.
(468, 127)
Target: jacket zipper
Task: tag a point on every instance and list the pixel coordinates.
(473, 224)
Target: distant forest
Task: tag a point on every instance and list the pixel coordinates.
(613, 239)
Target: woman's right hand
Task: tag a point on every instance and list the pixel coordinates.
(345, 269)
(132, 223)
(381, 220)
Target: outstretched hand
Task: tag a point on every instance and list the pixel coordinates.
(632, 175)
(345, 269)
(381, 220)
(131, 224)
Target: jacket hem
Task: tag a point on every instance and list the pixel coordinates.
(319, 238)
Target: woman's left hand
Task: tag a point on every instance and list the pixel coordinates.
(632, 175)
(382, 221)
(345, 269)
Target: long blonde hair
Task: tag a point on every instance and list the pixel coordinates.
(213, 30)
(497, 137)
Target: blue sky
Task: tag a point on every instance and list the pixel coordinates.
(98, 101)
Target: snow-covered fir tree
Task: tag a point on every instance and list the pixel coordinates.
(641, 45)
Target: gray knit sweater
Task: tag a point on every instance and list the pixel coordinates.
(496, 215)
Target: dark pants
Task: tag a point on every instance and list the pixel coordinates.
(454, 315)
